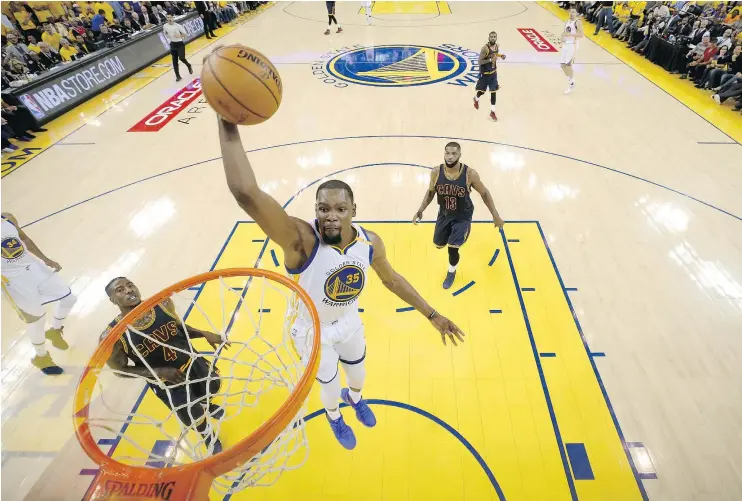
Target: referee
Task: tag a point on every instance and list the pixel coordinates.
(176, 34)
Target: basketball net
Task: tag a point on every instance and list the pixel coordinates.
(251, 396)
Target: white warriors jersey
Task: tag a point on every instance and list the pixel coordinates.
(571, 28)
(16, 258)
(334, 278)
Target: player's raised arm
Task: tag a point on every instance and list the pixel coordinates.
(295, 237)
(407, 293)
(429, 196)
(30, 245)
(476, 184)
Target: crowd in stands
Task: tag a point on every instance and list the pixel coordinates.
(38, 36)
(709, 34)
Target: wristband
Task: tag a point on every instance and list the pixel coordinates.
(432, 315)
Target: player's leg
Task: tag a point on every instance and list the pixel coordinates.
(352, 353)
(55, 290)
(459, 234)
(367, 7)
(493, 87)
(26, 301)
(568, 58)
(441, 236)
(329, 392)
(480, 87)
(181, 56)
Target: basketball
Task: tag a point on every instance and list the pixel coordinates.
(241, 84)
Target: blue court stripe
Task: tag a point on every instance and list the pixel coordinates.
(275, 258)
(361, 310)
(195, 287)
(570, 289)
(464, 288)
(264, 310)
(259, 240)
(407, 308)
(513, 240)
(495, 311)
(237, 289)
(528, 289)
(648, 476)
(494, 257)
(158, 451)
(581, 468)
(89, 472)
(639, 484)
(597, 354)
(106, 441)
(548, 354)
(540, 370)
(450, 429)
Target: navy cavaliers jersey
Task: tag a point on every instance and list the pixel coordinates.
(163, 325)
(490, 66)
(453, 194)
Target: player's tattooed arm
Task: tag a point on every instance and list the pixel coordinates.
(30, 245)
(397, 284)
(484, 55)
(479, 187)
(293, 235)
(212, 338)
(429, 196)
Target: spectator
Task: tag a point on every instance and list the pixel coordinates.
(90, 41)
(725, 40)
(719, 62)
(128, 28)
(32, 45)
(135, 21)
(147, 20)
(698, 65)
(77, 28)
(68, 52)
(732, 18)
(158, 16)
(734, 70)
(172, 9)
(51, 37)
(18, 68)
(7, 133)
(98, 20)
(81, 45)
(34, 63)
(21, 121)
(47, 56)
(13, 48)
(208, 20)
(107, 10)
(60, 27)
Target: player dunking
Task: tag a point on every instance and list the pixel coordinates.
(572, 34)
(30, 282)
(174, 367)
(452, 183)
(331, 257)
(488, 73)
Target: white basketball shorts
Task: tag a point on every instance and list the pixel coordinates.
(569, 51)
(34, 287)
(343, 341)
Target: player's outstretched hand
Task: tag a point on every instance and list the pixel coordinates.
(170, 374)
(447, 329)
(499, 222)
(503, 56)
(215, 340)
(417, 217)
(54, 265)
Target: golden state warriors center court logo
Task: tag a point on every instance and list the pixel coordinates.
(396, 65)
(345, 284)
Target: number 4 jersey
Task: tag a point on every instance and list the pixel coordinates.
(453, 194)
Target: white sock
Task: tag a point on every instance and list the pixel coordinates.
(452, 269)
(476, 98)
(355, 396)
(571, 80)
(492, 107)
(334, 414)
(35, 333)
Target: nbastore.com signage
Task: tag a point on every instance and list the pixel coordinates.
(57, 92)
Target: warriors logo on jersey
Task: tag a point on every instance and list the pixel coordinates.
(345, 284)
(12, 248)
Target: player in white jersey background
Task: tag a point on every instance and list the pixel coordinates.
(30, 282)
(571, 35)
(331, 258)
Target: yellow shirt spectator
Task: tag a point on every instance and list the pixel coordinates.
(42, 11)
(106, 8)
(34, 48)
(24, 19)
(67, 53)
(52, 39)
(637, 9)
(58, 9)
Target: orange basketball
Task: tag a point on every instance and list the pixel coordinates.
(241, 84)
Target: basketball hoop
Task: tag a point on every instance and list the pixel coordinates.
(264, 379)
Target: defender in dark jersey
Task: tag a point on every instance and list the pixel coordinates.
(452, 183)
(173, 360)
(488, 73)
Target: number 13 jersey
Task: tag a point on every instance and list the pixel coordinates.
(453, 194)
